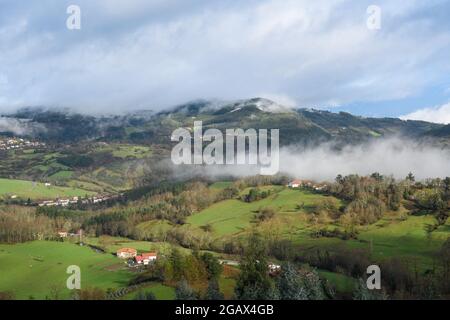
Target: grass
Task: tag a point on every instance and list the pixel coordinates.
(392, 236)
(34, 268)
(112, 244)
(153, 225)
(62, 175)
(342, 283)
(408, 239)
(234, 216)
(126, 151)
(36, 190)
(388, 238)
(161, 292)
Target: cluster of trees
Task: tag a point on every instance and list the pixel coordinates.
(436, 202)
(353, 187)
(401, 278)
(258, 181)
(264, 214)
(256, 194)
(187, 271)
(256, 283)
(21, 224)
(173, 207)
(370, 197)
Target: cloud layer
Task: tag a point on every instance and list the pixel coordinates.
(152, 54)
(390, 157)
(439, 114)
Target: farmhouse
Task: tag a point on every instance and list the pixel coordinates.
(126, 253)
(295, 183)
(145, 258)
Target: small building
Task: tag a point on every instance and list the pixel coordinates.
(295, 183)
(126, 253)
(145, 258)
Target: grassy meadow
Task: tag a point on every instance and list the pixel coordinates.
(395, 235)
(35, 269)
(37, 190)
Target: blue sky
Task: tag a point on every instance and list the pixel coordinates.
(141, 54)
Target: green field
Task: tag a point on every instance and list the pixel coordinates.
(36, 190)
(342, 283)
(387, 238)
(62, 175)
(160, 291)
(112, 244)
(126, 151)
(395, 235)
(234, 216)
(36, 268)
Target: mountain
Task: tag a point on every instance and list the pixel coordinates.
(297, 126)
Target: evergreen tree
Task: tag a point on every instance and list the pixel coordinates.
(290, 285)
(254, 282)
(184, 292)
(141, 295)
(314, 286)
(212, 264)
(363, 293)
(213, 291)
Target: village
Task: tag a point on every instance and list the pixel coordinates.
(65, 202)
(18, 144)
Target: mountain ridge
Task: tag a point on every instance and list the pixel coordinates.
(297, 125)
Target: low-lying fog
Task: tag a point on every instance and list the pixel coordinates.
(396, 157)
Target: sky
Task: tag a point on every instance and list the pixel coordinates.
(154, 54)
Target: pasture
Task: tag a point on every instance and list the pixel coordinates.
(38, 269)
(233, 216)
(37, 190)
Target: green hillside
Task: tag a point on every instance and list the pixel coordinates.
(36, 268)
(37, 190)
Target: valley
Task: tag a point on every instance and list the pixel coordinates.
(76, 198)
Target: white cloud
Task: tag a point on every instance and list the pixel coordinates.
(153, 54)
(391, 157)
(439, 114)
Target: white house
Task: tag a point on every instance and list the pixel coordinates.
(146, 258)
(295, 183)
(126, 253)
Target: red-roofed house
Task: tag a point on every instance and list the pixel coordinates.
(146, 258)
